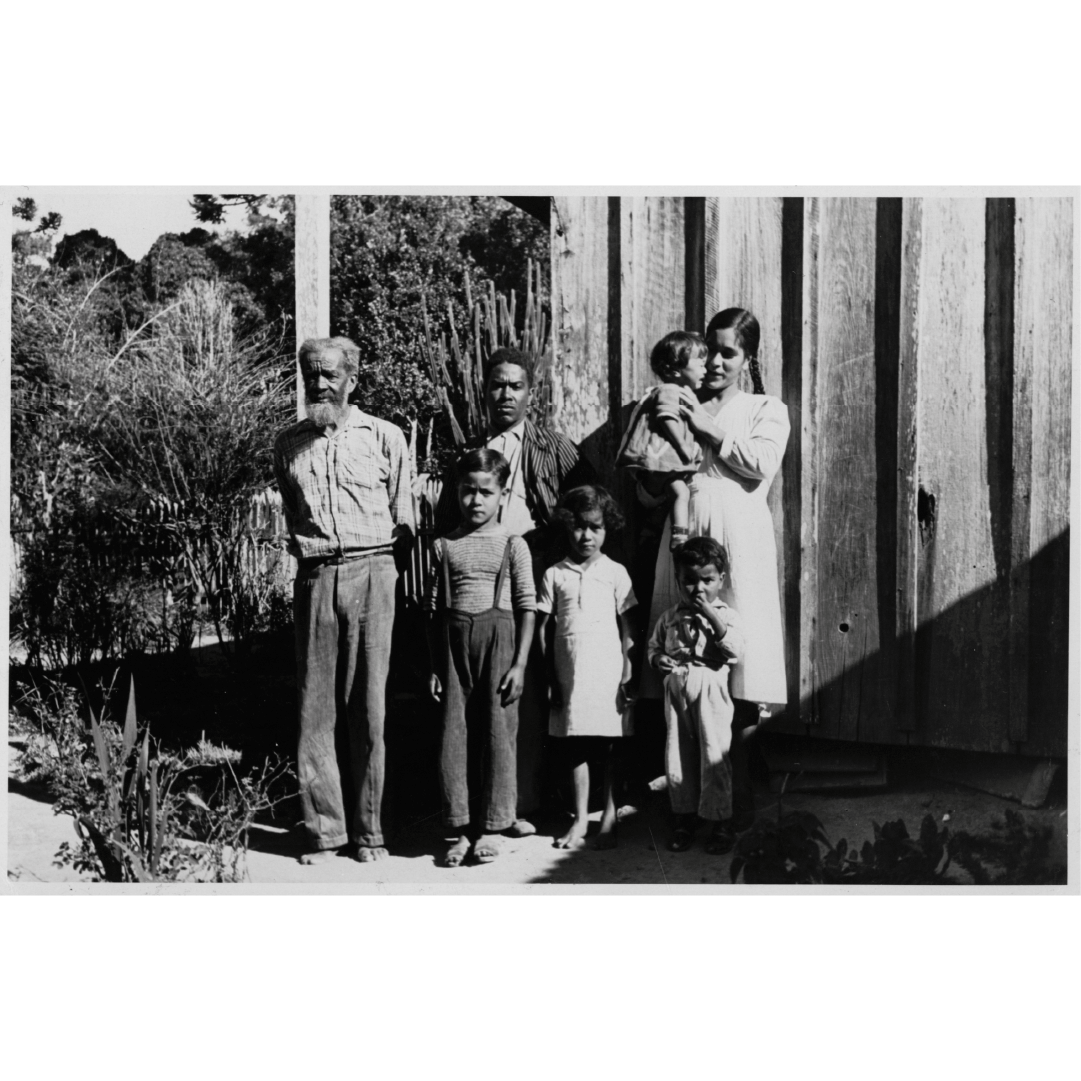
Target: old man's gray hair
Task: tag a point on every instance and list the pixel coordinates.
(314, 347)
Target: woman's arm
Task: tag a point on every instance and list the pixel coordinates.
(756, 455)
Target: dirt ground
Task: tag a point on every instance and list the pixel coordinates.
(641, 859)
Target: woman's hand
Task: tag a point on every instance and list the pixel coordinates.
(698, 420)
(625, 696)
(435, 688)
(663, 663)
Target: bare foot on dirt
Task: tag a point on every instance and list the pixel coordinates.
(322, 855)
(457, 852)
(523, 828)
(370, 853)
(488, 847)
(574, 837)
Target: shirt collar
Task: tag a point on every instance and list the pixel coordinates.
(516, 430)
(581, 568)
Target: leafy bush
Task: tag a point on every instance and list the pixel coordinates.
(794, 849)
(392, 254)
(1015, 853)
(142, 815)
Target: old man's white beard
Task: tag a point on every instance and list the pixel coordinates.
(324, 413)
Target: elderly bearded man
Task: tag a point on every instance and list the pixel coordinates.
(346, 490)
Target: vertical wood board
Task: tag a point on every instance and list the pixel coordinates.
(907, 528)
(312, 267)
(1039, 595)
(847, 649)
(962, 657)
(653, 277)
(580, 376)
(808, 435)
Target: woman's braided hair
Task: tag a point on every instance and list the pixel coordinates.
(745, 327)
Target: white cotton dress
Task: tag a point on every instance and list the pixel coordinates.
(728, 503)
(586, 603)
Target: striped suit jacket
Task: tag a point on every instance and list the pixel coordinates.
(550, 466)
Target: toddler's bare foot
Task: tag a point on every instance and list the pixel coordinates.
(575, 836)
(457, 852)
(370, 853)
(606, 838)
(321, 855)
(488, 847)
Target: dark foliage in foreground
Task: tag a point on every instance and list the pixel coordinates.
(793, 849)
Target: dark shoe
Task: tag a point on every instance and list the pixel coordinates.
(722, 838)
(683, 834)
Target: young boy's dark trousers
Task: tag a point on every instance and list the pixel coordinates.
(479, 653)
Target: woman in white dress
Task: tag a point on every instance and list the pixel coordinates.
(744, 437)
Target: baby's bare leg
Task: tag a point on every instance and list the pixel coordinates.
(680, 493)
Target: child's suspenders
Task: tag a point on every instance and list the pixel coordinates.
(501, 578)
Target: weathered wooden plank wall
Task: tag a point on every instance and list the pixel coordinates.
(1041, 423)
(961, 644)
(853, 695)
(584, 370)
(923, 347)
(652, 285)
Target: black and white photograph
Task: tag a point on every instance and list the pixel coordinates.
(595, 538)
(537, 540)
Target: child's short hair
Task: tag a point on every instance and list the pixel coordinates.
(701, 552)
(508, 355)
(674, 352)
(483, 460)
(589, 499)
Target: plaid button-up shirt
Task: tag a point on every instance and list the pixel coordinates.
(343, 493)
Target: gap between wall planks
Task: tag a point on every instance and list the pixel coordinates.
(312, 273)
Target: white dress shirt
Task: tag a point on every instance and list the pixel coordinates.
(514, 514)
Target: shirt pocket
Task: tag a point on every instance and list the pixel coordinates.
(363, 465)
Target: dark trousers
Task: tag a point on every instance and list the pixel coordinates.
(478, 731)
(344, 619)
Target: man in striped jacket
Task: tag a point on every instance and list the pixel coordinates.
(543, 465)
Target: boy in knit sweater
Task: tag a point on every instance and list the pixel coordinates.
(485, 599)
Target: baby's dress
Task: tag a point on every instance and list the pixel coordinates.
(586, 603)
(646, 447)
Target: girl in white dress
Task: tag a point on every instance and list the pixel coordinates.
(585, 636)
(744, 436)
